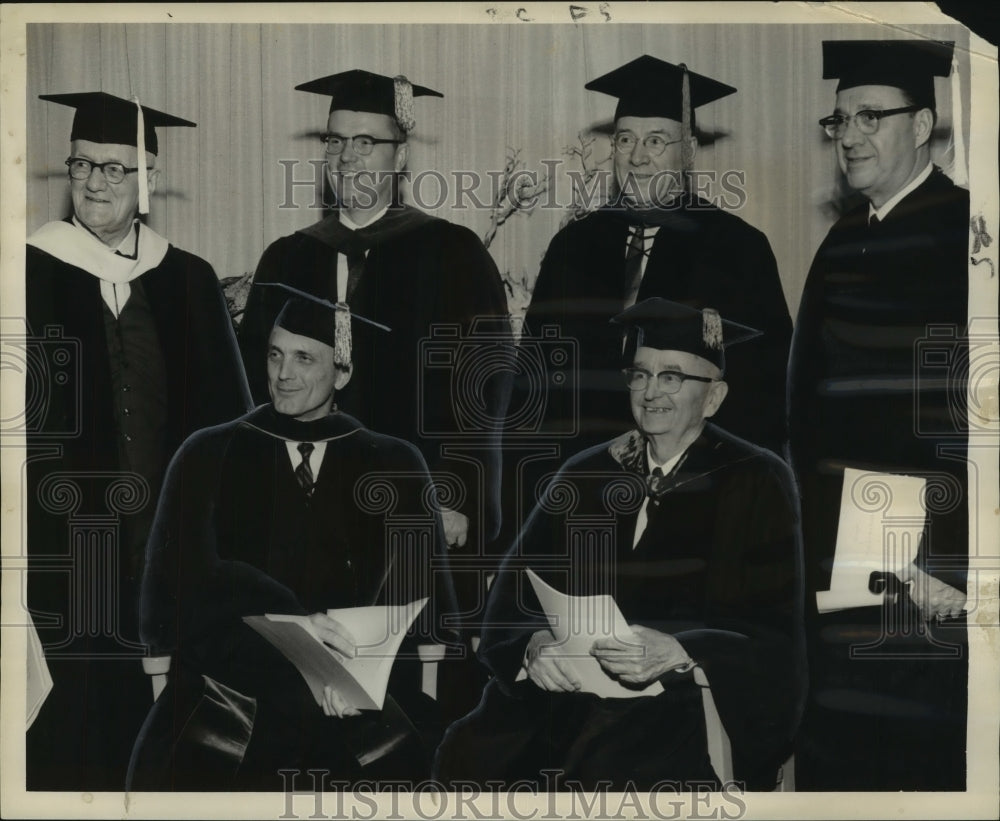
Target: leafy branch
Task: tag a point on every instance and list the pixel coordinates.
(515, 193)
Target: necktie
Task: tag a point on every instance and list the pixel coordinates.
(873, 220)
(303, 473)
(633, 266)
(654, 484)
(355, 268)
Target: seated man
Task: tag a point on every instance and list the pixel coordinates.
(695, 534)
(286, 510)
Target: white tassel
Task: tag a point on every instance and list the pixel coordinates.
(140, 144)
(959, 170)
(342, 336)
(711, 329)
(687, 150)
(403, 105)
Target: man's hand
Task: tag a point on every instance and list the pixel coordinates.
(544, 668)
(456, 527)
(652, 655)
(933, 597)
(334, 704)
(333, 633)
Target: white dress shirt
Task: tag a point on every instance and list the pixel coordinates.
(642, 519)
(649, 232)
(315, 458)
(342, 269)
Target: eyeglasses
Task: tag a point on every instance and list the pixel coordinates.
(626, 141)
(866, 120)
(637, 379)
(81, 169)
(361, 143)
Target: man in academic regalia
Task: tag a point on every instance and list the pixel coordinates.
(294, 508)
(695, 535)
(142, 354)
(877, 381)
(654, 238)
(422, 276)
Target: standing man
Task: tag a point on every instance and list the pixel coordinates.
(695, 534)
(412, 272)
(889, 281)
(156, 359)
(286, 510)
(657, 238)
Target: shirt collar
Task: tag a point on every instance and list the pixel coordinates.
(127, 247)
(347, 222)
(665, 467)
(892, 202)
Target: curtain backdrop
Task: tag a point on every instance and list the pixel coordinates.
(224, 189)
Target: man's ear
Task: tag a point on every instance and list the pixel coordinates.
(401, 156)
(152, 175)
(342, 378)
(717, 392)
(923, 125)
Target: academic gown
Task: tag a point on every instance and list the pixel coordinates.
(717, 567)
(427, 380)
(235, 535)
(84, 732)
(701, 256)
(877, 381)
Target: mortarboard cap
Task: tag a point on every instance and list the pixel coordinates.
(671, 326)
(308, 315)
(649, 87)
(910, 65)
(359, 90)
(103, 118)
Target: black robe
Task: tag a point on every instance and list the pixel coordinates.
(438, 378)
(701, 256)
(235, 535)
(877, 381)
(718, 567)
(84, 732)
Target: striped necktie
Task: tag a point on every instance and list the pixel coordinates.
(303, 473)
(355, 268)
(633, 265)
(654, 485)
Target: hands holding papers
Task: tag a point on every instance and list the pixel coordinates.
(933, 597)
(344, 655)
(334, 704)
(872, 506)
(881, 523)
(544, 666)
(591, 648)
(456, 527)
(333, 634)
(651, 655)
